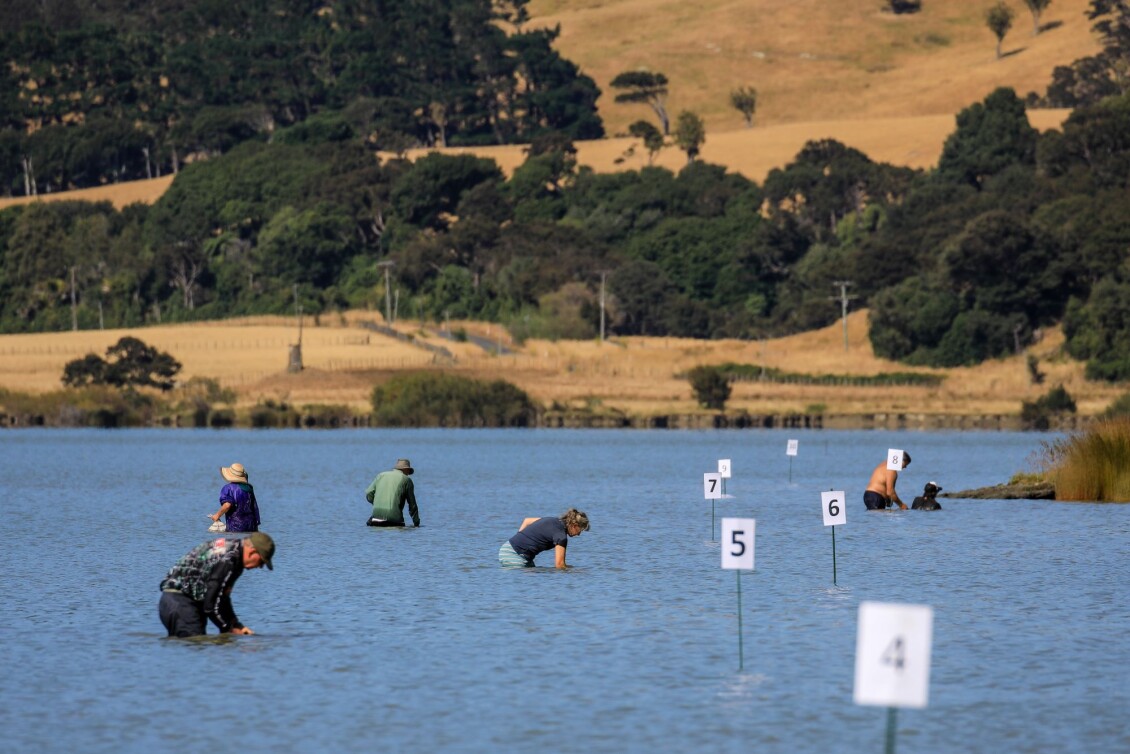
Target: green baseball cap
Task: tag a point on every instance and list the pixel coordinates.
(263, 545)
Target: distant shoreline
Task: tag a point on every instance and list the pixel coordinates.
(581, 420)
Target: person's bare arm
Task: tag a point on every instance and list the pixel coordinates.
(526, 522)
(892, 478)
(223, 509)
(559, 556)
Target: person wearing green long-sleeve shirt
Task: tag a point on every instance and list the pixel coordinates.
(389, 492)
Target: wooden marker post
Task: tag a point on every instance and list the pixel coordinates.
(738, 535)
(835, 512)
(790, 451)
(892, 659)
(712, 490)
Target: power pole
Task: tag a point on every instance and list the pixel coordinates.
(843, 299)
(387, 264)
(294, 363)
(74, 303)
(603, 275)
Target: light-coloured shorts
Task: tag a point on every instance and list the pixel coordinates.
(509, 558)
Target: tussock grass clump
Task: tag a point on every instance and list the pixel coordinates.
(1092, 465)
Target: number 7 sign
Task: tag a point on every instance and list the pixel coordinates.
(737, 543)
(712, 486)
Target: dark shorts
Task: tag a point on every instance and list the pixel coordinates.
(181, 615)
(874, 501)
(383, 522)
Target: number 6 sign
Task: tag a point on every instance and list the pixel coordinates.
(835, 512)
(737, 543)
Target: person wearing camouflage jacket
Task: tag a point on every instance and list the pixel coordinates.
(199, 585)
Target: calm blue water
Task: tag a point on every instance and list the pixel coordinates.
(415, 640)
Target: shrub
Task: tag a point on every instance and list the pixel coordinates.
(904, 6)
(711, 386)
(1038, 414)
(437, 399)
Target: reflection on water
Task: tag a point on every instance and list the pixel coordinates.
(412, 640)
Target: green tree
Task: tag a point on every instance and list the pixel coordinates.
(1037, 7)
(427, 194)
(991, 136)
(647, 87)
(690, 134)
(1098, 330)
(744, 100)
(651, 137)
(128, 363)
(999, 20)
(711, 387)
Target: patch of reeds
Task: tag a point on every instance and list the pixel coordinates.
(1092, 465)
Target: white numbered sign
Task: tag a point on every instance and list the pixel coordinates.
(724, 468)
(894, 459)
(791, 449)
(835, 512)
(892, 654)
(712, 486)
(737, 543)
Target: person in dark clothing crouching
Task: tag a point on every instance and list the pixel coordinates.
(537, 535)
(928, 500)
(199, 585)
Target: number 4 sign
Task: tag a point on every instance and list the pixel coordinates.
(892, 654)
(737, 543)
(833, 505)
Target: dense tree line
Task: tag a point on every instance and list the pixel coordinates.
(1012, 231)
(92, 93)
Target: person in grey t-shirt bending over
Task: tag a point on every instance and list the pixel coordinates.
(540, 534)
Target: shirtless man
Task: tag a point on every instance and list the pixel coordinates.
(881, 489)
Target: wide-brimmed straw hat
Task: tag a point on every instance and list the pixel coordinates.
(403, 464)
(234, 473)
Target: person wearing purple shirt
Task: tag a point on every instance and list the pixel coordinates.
(237, 500)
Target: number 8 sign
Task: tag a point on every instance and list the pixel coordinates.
(832, 503)
(737, 543)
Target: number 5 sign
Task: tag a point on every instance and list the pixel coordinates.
(892, 654)
(737, 543)
(833, 505)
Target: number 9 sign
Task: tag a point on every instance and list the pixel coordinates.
(737, 543)
(832, 503)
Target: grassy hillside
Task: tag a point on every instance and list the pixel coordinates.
(811, 60)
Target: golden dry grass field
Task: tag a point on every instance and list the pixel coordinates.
(640, 376)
